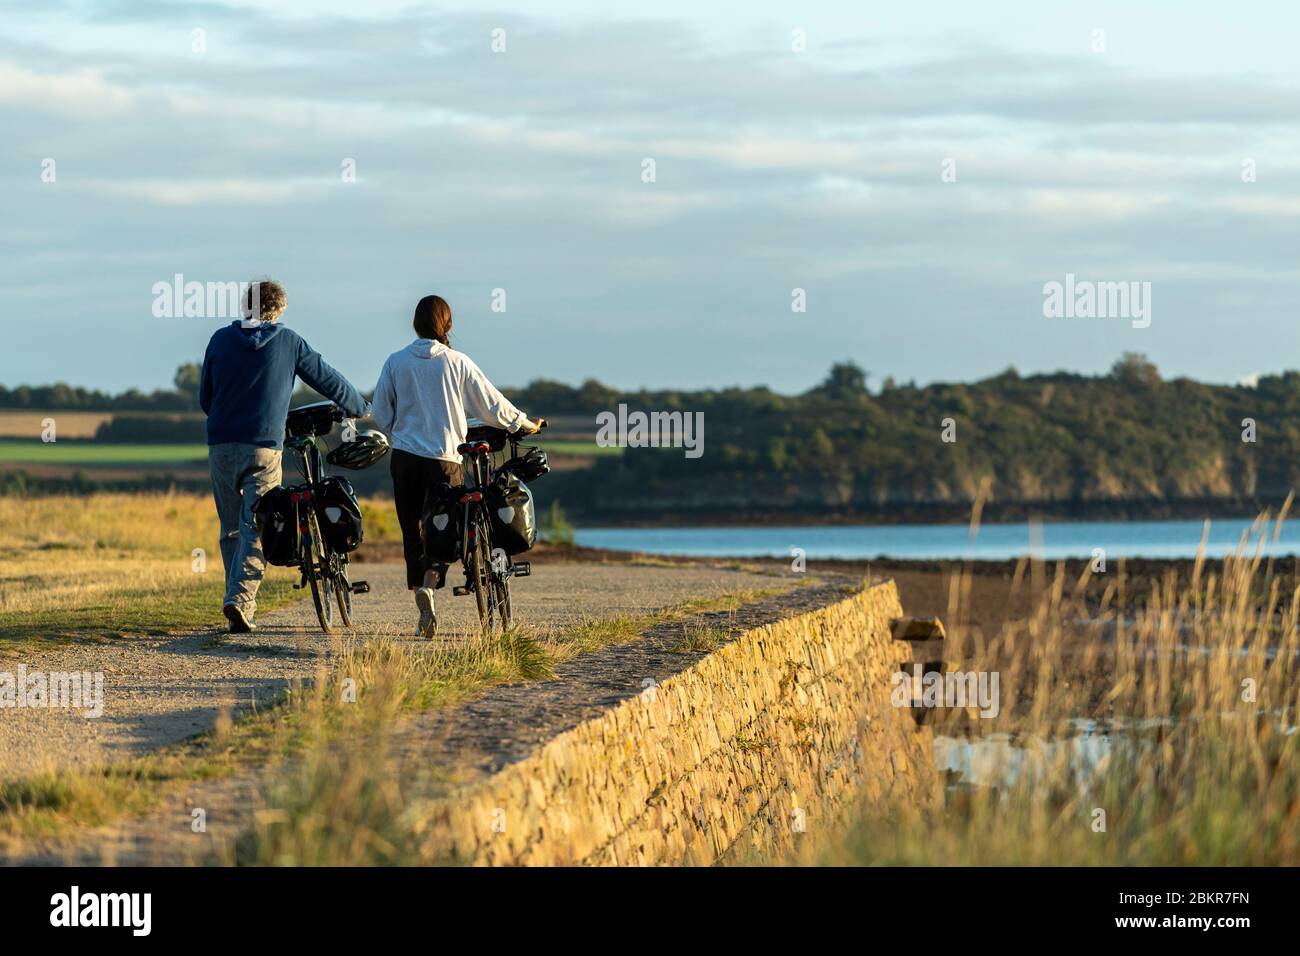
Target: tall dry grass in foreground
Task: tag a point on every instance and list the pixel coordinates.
(353, 789)
(1151, 728)
(350, 789)
(324, 759)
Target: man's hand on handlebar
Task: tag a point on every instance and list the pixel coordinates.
(530, 427)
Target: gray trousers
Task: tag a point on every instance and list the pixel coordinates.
(241, 474)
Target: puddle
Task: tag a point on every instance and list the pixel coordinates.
(1003, 760)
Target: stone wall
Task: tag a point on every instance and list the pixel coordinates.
(743, 754)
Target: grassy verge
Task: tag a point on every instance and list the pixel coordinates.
(111, 565)
(335, 791)
(167, 607)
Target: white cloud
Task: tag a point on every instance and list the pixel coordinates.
(81, 93)
(522, 171)
(193, 192)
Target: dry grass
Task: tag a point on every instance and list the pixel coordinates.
(699, 638)
(24, 424)
(105, 565)
(338, 788)
(346, 717)
(354, 797)
(345, 791)
(1154, 728)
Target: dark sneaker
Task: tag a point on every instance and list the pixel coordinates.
(239, 624)
(428, 625)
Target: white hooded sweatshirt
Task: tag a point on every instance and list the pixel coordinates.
(425, 394)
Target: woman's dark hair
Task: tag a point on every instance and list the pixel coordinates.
(433, 318)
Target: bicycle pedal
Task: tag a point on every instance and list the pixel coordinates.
(360, 587)
(459, 591)
(522, 568)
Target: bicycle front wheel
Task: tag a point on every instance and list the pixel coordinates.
(501, 598)
(343, 591)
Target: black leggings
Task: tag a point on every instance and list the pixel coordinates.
(412, 478)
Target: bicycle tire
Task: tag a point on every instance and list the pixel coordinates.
(343, 593)
(498, 592)
(498, 589)
(501, 599)
(318, 577)
(481, 561)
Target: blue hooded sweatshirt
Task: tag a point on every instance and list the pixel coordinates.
(248, 378)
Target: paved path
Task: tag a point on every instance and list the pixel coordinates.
(159, 691)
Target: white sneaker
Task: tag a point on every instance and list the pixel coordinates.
(428, 625)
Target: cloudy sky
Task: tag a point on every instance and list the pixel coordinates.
(1115, 156)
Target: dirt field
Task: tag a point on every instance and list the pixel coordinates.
(25, 424)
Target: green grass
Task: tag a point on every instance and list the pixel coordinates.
(577, 448)
(556, 527)
(91, 454)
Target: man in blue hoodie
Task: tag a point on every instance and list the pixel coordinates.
(247, 382)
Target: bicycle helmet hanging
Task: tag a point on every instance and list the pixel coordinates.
(362, 451)
(529, 466)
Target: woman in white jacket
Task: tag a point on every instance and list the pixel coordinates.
(425, 395)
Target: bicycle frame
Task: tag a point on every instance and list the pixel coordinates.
(479, 467)
(309, 457)
(493, 590)
(310, 467)
(325, 572)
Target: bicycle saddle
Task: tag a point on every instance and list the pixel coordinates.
(494, 438)
(315, 419)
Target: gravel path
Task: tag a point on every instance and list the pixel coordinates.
(159, 691)
(462, 743)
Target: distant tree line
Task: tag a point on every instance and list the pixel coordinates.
(62, 397)
(841, 448)
(1072, 443)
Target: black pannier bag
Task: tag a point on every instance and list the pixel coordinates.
(510, 509)
(338, 513)
(277, 522)
(440, 524)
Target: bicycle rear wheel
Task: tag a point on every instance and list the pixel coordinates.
(318, 576)
(481, 570)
